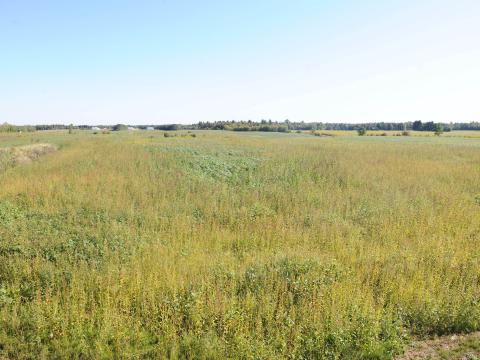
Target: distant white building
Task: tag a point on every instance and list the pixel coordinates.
(95, 128)
(150, 128)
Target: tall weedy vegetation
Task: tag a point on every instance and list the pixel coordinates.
(234, 245)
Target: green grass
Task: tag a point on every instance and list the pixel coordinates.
(237, 245)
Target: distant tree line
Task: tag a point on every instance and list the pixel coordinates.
(467, 126)
(429, 126)
(264, 125)
(287, 125)
(5, 127)
(61, 127)
(169, 127)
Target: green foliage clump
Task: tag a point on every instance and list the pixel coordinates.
(361, 131)
(120, 127)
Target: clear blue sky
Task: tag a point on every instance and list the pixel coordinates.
(139, 62)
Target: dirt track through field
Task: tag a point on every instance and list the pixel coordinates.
(461, 347)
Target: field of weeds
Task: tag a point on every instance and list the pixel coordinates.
(228, 245)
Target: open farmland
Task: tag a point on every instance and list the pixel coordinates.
(237, 245)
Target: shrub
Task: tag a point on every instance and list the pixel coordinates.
(120, 127)
(361, 131)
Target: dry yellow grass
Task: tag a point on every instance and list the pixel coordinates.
(24, 154)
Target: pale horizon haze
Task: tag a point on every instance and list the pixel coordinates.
(158, 62)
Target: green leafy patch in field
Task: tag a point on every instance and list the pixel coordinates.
(223, 164)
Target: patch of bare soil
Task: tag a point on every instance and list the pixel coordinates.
(455, 347)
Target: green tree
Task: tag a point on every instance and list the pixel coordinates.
(361, 131)
(438, 129)
(417, 125)
(120, 127)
